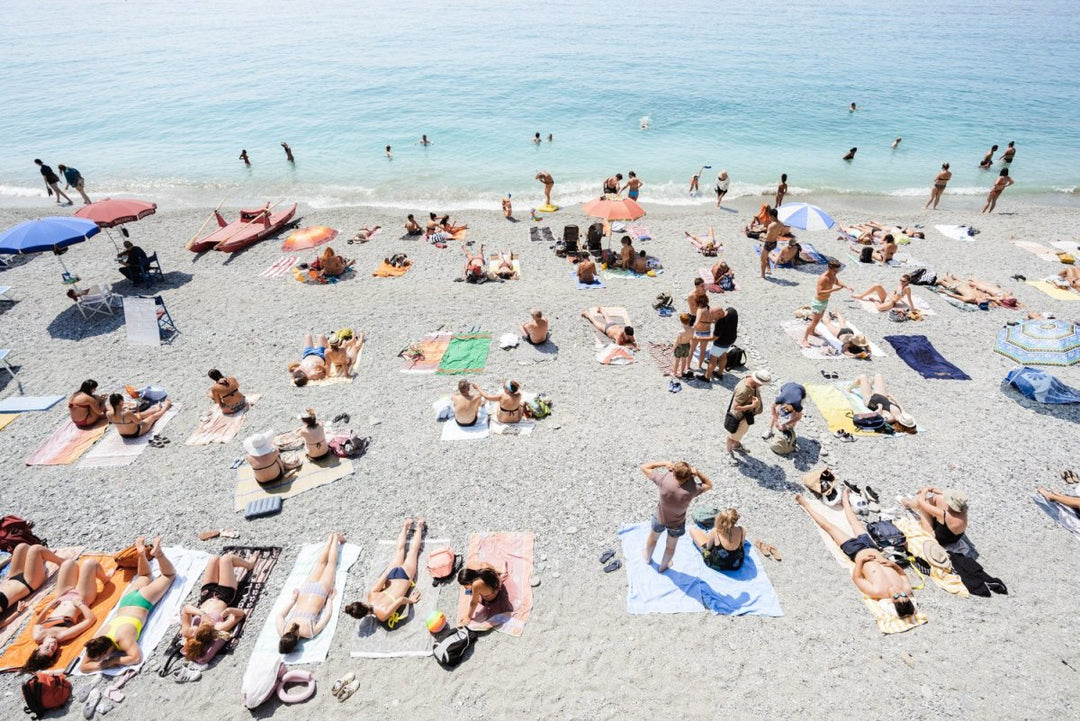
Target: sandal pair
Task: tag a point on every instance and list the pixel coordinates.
(1069, 476)
(345, 686)
(768, 550)
(614, 565)
(844, 436)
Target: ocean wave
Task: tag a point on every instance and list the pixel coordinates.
(20, 191)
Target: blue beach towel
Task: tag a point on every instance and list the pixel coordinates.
(919, 353)
(1038, 385)
(585, 286)
(690, 586)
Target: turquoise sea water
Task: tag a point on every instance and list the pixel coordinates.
(158, 98)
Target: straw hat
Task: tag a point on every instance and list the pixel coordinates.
(814, 479)
(956, 500)
(762, 376)
(935, 555)
(333, 339)
(860, 340)
(905, 420)
(260, 444)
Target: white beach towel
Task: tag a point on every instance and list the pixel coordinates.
(522, 428)
(410, 636)
(1064, 516)
(189, 567)
(956, 232)
(451, 431)
(1069, 246)
(1036, 249)
(921, 304)
(875, 349)
(114, 450)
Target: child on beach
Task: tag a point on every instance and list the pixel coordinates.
(682, 347)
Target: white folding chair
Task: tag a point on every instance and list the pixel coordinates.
(3, 359)
(97, 303)
(4, 289)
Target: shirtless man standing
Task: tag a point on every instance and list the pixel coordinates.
(827, 284)
(535, 330)
(467, 402)
(341, 355)
(549, 182)
(772, 234)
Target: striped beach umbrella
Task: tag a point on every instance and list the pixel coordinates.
(804, 216)
(1040, 342)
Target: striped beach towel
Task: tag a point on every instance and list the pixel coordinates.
(66, 444)
(218, 427)
(280, 267)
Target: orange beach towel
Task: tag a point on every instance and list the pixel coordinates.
(67, 444)
(385, 270)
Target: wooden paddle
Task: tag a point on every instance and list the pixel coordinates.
(243, 226)
(203, 226)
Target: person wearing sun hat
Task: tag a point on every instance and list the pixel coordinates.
(942, 512)
(265, 458)
(745, 404)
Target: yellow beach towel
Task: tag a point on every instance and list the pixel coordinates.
(493, 268)
(312, 474)
(916, 537)
(347, 378)
(1053, 291)
(6, 418)
(835, 409)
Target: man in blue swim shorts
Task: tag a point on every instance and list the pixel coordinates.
(827, 284)
(312, 365)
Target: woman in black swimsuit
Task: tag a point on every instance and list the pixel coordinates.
(877, 399)
(509, 400)
(26, 573)
(68, 615)
(722, 547)
(941, 512)
(131, 423)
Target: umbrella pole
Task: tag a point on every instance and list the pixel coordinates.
(112, 240)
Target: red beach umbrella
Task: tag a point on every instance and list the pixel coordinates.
(309, 237)
(623, 209)
(111, 212)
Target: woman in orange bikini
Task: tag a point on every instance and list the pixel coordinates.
(395, 588)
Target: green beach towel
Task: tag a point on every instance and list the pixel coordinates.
(467, 353)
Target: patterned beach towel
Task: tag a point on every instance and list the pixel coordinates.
(664, 355)
(280, 267)
(512, 554)
(217, 427)
(66, 444)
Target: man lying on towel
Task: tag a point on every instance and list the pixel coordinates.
(325, 357)
(615, 326)
(876, 576)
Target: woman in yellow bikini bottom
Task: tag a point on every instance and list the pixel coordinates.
(394, 592)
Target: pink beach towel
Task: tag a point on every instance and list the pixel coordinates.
(117, 451)
(281, 267)
(512, 555)
(218, 427)
(66, 444)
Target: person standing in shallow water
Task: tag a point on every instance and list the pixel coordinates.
(781, 191)
(1010, 152)
(988, 159)
(245, 158)
(851, 154)
(288, 152)
(940, 182)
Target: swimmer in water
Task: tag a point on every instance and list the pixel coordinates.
(550, 138)
(850, 154)
(424, 140)
(694, 179)
(852, 108)
(247, 160)
(388, 153)
(896, 142)
(536, 139)
(288, 152)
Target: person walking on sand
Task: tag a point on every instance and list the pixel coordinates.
(288, 152)
(723, 182)
(827, 284)
(940, 182)
(245, 158)
(745, 404)
(1006, 157)
(507, 208)
(679, 484)
(548, 182)
(850, 154)
(1003, 181)
(988, 159)
(633, 186)
(52, 182)
(74, 179)
(781, 191)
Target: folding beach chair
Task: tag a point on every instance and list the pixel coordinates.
(4, 294)
(98, 302)
(3, 359)
(570, 238)
(166, 325)
(152, 271)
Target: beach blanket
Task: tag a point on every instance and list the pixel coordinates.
(510, 610)
(955, 232)
(921, 304)
(663, 354)
(466, 353)
(348, 377)
(216, 427)
(624, 273)
(917, 536)
(1038, 385)
(19, 651)
(280, 267)
(528, 354)
(6, 418)
(706, 275)
(823, 345)
(1065, 516)
(1054, 291)
(451, 431)
(115, 450)
(493, 268)
(13, 620)
(432, 347)
(189, 565)
(1037, 249)
(1068, 246)
(311, 650)
(410, 636)
(612, 354)
(919, 353)
(25, 404)
(311, 474)
(541, 234)
(522, 428)
(597, 283)
(884, 613)
(836, 408)
(385, 270)
(66, 444)
(690, 586)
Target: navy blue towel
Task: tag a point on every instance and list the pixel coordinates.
(919, 353)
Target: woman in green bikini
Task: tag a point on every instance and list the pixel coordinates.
(395, 588)
(118, 644)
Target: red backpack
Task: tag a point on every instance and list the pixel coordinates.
(44, 692)
(14, 530)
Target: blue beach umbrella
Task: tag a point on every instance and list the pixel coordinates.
(1040, 342)
(53, 233)
(804, 216)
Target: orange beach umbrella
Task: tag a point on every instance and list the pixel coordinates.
(310, 237)
(622, 209)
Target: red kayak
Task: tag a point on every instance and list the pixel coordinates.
(253, 226)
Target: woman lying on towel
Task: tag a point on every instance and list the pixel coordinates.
(878, 399)
(1070, 278)
(395, 588)
(942, 513)
(504, 265)
(118, 643)
(86, 407)
(706, 246)
(884, 301)
(509, 400)
(131, 423)
(721, 547)
(615, 326)
(484, 584)
(851, 345)
(317, 362)
(26, 573)
(341, 353)
(975, 291)
(69, 614)
(475, 266)
(876, 576)
(881, 255)
(214, 617)
(308, 612)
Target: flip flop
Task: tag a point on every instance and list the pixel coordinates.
(607, 556)
(613, 566)
(763, 548)
(91, 703)
(830, 375)
(1068, 476)
(775, 552)
(854, 488)
(237, 462)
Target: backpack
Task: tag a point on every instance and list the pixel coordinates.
(450, 649)
(45, 692)
(866, 255)
(736, 357)
(15, 530)
(868, 421)
(539, 408)
(890, 539)
(443, 564)
(663, 301)
(783, 443)
(727, 283)
(594, 237)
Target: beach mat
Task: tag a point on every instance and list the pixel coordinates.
(451, 431)
(66, 444)
(218, 427)
(385, 270)
(624, 273)
(819, 349)
(885, 616)
(117, 451)
(917, 536)
(1066, 517)
(528, 354)
(310, 650)
(510, 610)
(919, 353)
(921, 304)
(664, 356)
(466, 353)
(835, 407)
(13, 620)
(25, 404)
(409, 636)
(586, 286)
(690, 586)
(1037, 249)
(432, 348)
(311, 474)
(955, 232)
(1054, 291)
(189, 565)
(280, 267)
(19, 651)
(7, 418)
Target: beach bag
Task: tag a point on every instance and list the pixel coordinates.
(868, 421)
(128, 558)
(783, 443)
(727, 283)
(1067, 258)
(736, 357)
(450, 650)
(44, 692)
(731, 421)
(15, 530)
(443, 564)
(663, 300)
(891, 540)
(866, 255)
(349, 446)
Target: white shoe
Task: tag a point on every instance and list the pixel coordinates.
(348, 690)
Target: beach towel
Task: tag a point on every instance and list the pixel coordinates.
(884, 613)
(690, 586)
(189, 566)
(115, 450)
(522, 428)
(663, 354)
(410, 636)
(612, 354)
(1037, 249)
(875, 349)
(216, 427)
(639, 232)
(431, 347)
(385, 270)
(597, 283)
(19, 651)
(280, 267)
(1068, 246)
(624, 273)
(466, 353)
(348, 377)
(823, 345)
(6, 418)
(311, 650)
(25, 404)
(527, 354)
(1054, 291)
(493, 268)
(66, 444)
(1038, 385)
(921, 304)
(835, 407)
(537, 235)
(955, 232)
(811, 254)
(451, 431)
(919, 353)
(1065, 516)
(706, 275)
(510, 610)
(311, 474)
(13, 620)
(917, 536)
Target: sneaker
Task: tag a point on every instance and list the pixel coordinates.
(872, 495)
(732, 458)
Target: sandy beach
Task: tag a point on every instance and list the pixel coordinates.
(575, 480)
